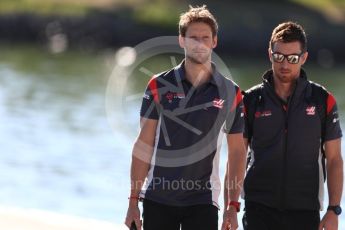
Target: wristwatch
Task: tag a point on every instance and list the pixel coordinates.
(236, 204)
(336, 209)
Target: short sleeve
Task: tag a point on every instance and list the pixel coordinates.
(150, 101)
(332, 127)
(235, 122)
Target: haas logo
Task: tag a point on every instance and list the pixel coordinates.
(218, 103)
(310, 110)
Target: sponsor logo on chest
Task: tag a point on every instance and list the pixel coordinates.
(310, 110)
(266, 113)
(218, 103)
(170, 96)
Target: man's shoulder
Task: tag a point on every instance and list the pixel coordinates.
(252, 95)
(253, 91)
(318, 86)
(164, 75)
(162, 78)
(227, 82)
(318, 91)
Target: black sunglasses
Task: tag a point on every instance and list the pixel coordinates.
(291, 58)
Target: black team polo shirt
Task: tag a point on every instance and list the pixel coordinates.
(184, 168)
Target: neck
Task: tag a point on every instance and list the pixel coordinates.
(196, 73)
(284, 90)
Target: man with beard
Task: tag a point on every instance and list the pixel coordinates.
(293, 131)
(175, 159)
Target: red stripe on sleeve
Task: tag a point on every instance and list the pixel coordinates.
(237, 100)
(153, 89)
(330, 103)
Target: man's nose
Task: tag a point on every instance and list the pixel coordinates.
(197, 42)
(285, 63)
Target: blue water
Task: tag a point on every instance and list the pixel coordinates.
(58, 150)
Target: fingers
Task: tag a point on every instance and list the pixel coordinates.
(133, 218)
(230, 220)
(228, 226)
(225, 225)
(138, 223)
(234, 227)
(233, 221)
(226, 222)
(234, 224)
(128, 222)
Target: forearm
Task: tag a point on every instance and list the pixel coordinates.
(141, 158)
(236, 170)
(226, 191)
(335, 179)
(139, 169)
(142, 154)
(139, 172)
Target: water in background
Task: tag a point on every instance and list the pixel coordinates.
(59, 152)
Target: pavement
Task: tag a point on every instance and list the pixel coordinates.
(12, 218)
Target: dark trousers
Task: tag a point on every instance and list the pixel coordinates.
(261, 217)
(163, 217)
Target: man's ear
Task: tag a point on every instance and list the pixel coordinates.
(181, 41)
(304, 58)
(270, 54)
(215, 41)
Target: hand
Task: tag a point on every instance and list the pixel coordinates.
(230, 219)
(133, 214)
(329, 221)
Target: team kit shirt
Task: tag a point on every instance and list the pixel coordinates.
(184, 169)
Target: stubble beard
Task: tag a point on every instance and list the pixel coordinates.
(199, 59)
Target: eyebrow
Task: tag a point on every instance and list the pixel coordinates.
(288, 54)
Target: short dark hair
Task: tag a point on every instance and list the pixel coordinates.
(197, 14)
(289, 32)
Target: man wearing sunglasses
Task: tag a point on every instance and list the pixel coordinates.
(293, 133)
